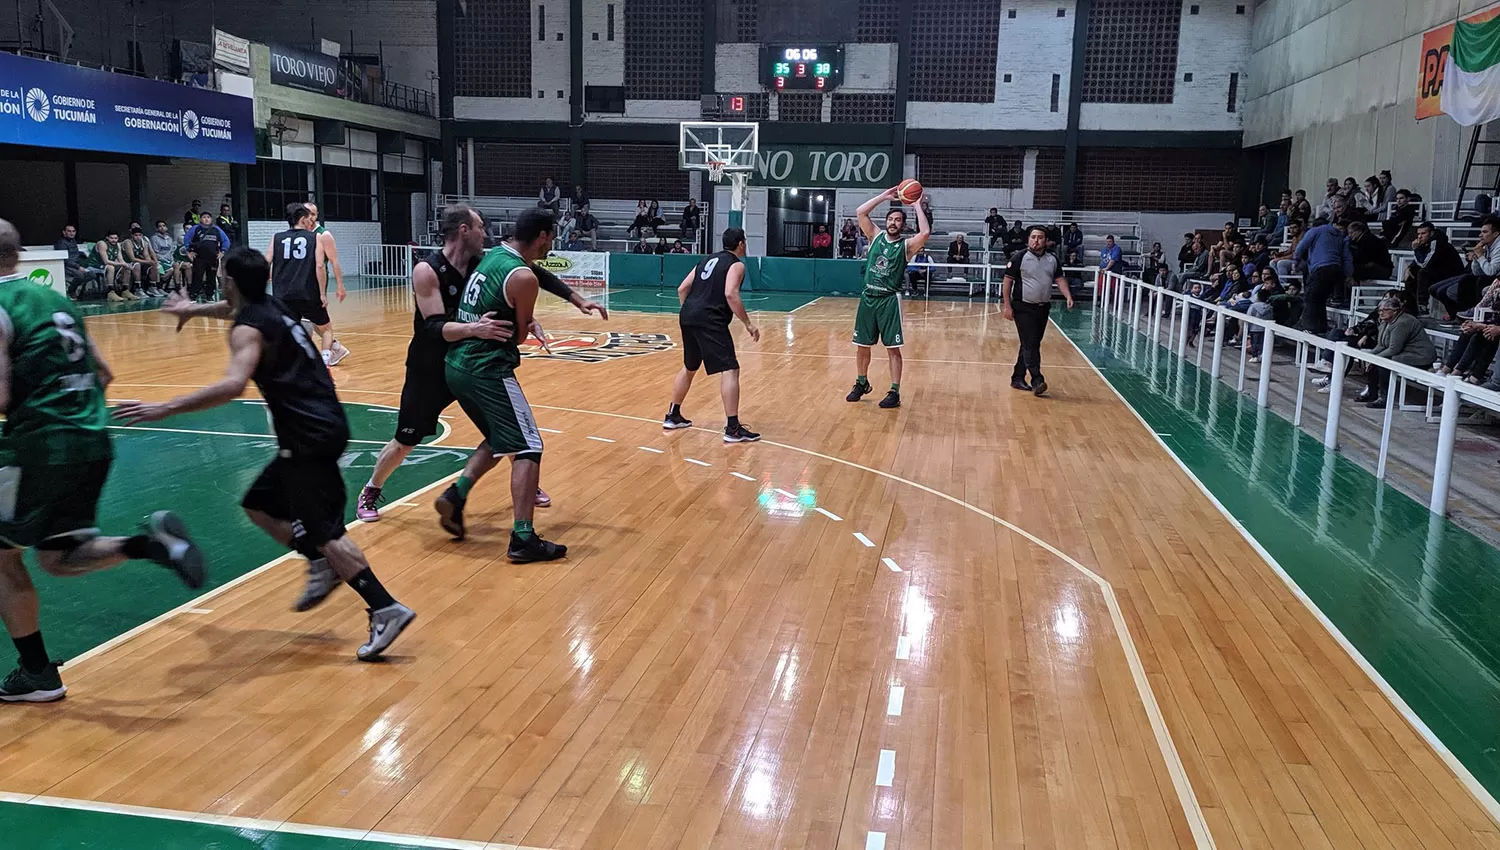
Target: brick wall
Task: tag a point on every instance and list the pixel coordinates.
(510, 168)
(1155, 179)
(634, 171)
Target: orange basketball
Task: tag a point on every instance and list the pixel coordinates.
(909, 191)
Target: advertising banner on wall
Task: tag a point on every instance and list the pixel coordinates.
(304, 69)
(61, 106)
(1437, 43)
(231, 52)
(818, 166)
(578, 268)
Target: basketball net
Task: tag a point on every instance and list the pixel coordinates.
(716, 170)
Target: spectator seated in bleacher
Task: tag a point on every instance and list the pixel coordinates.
(643, 247)
(1325, 206)
(165, 249)
(918, 272)
(1285, 260)
(586, 226)
(994, 229)
(1398, 228)
(1258, 254)
(1482, 209)
(1072, 239)
(574, 243)
(76, 276)
(1402, 338)
(1301, 207)
(1471, 355)
(1387, 193)
(1366, 202)
(119, 275)
(566, 225)
(848, 241)
(1462, 291)
(1265, 223)
(1372, 259)
(958, 250)
(1110, 257)
(1196, 268)
(678, 247)
(1155, 266)
(1015, 238)
(550, 197)
(1434, 259)
(692, 219)
(822, 242)
(579, 200)
(1262, 306)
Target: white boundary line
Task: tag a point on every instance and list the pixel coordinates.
(808, 304)
(1481, 794)
(219, 433)
(1192, 810)
(259, 824)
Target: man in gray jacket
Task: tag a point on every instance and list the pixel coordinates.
(1401, 338)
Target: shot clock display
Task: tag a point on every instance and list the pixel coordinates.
(802, 67)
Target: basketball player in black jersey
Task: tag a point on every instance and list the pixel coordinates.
(710, 297)
(437, 283)
(298, 277)
(299, 499)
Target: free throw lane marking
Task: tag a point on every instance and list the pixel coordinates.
(833, 516)
(895, 701)
(742, 476)
(875, 841)
(903, 648)
(651, 450)
(601, 439)
(885, 772)
(697, 461)
(891, 565)
(865, 540)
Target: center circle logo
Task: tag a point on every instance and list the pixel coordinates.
(37, 105)
(190, 124)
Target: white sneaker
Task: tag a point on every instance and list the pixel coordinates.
(1322, 382)
(1320, 366)
(385, 626)
(337, 354)
(327, 356)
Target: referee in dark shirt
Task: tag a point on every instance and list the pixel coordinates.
(1028, 300)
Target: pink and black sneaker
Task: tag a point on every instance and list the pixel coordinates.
(367, 506)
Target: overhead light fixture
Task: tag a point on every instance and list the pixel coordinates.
(820, 198)
(794, 193)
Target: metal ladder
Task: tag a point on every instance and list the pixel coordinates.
(1470, 181)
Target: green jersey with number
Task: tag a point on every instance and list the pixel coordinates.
(484, 294)
(885, 266)
(56, 413)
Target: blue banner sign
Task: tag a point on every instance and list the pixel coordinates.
(53, 105)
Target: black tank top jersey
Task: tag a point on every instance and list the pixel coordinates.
(424, 349)
(294, 273)
(706, 304)
(298, 390)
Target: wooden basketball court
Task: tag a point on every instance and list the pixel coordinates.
(984, 620)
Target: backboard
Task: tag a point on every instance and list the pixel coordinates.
(733, 143)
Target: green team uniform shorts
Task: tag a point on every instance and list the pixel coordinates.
(50, 505)
(496, 405)
(878, 320)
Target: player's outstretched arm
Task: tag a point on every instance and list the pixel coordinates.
(866, 226)
(924, 230)
(555, 285)
(244, 356)
(179, 305)
(732, 283)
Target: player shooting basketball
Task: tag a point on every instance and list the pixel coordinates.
(879, 315)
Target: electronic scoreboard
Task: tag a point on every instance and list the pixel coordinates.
(801, 67)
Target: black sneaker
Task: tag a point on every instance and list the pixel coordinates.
(674, 421)
(1020, 385)
(533, 549)
(450, 508)
(1039, 389)
(892, 399)
(177, 551)
(860, 391)
(23, 686)
(739, 434)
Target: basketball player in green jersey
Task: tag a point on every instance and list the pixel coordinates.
(878, 318)
(481, 373)
(333, 350)
(54, 459)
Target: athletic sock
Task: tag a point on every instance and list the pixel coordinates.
(371, 590)
(862, 381)
(142, 548)
(734, 422)
(674, 410)
(523, 529)
(371, 483)
(463, 485)
(895, 387)
(33, 652)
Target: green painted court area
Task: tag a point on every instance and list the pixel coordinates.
(201, 468)
(1413, 592)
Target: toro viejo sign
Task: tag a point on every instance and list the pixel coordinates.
(819, 166)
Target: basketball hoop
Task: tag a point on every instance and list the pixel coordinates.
(716, 170)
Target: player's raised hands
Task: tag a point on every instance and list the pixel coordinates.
(179, 305)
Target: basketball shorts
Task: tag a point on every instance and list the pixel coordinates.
(708, 346)
(878, 320)
(424, 396)
(50, 506)
(311, 310)
(307, 492)
(498, 408)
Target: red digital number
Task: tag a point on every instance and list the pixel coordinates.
(781, 82)
(821, 81)
(801, 69)
(736, 104)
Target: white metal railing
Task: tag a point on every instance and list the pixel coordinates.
(388, 262)
(1123, 299)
